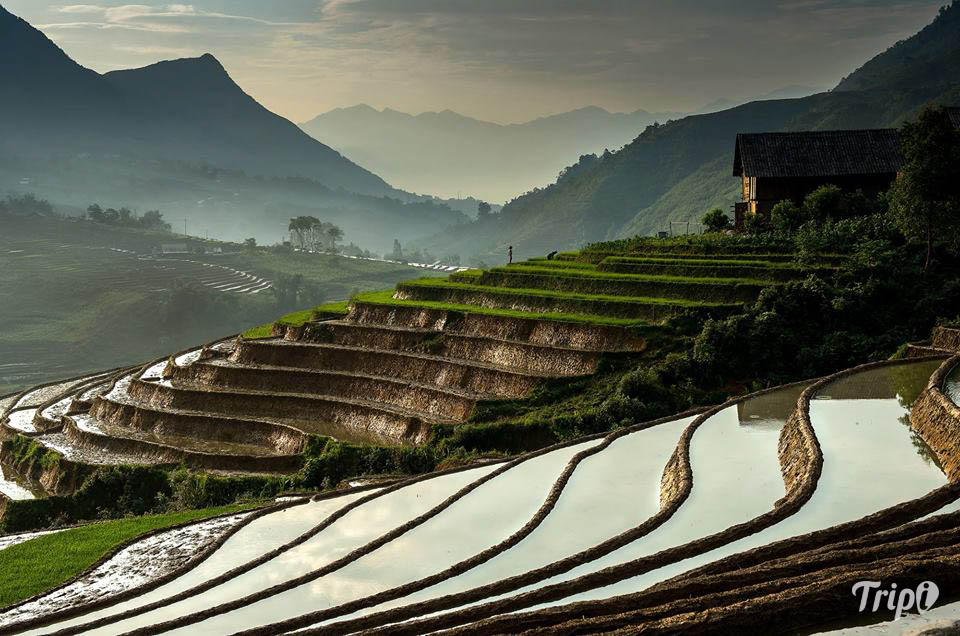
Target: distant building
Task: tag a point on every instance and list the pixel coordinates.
(789, 165)
(777, 166)
(166, 249)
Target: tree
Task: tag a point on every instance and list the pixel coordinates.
(95, 213)
(296, 236)
(303, 231)
(250, 243)
(925, 198)
(153, 220)
(335, 234)
(483, 211)
(716, 220)
(286, 290)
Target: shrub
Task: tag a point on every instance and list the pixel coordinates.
(787, 216)
(716, 220)
(824, 203)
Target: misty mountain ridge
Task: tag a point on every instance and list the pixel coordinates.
(446, 153)
(182, 136)
(680, 170)
(188, 109)
(450, 153)
(794, 91)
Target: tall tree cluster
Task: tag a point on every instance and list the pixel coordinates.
(310, 233)
(925, 198)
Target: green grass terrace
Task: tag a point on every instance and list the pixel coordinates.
(535, 299)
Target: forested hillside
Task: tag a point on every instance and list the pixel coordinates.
(679, 170)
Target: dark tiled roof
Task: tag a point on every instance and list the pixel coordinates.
(817, 153)
(954, 113)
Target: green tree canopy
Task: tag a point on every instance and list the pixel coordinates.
(925, 198)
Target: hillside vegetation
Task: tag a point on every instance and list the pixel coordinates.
(679, 170)
(73, 300)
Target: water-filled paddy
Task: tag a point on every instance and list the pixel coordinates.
(871, 461)
(256, 538)
(356, 528)
(484, 517)
(609, 493)
(12, 490)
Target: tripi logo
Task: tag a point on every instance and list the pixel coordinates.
(901, 600)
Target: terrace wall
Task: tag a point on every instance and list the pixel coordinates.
(937, 419)
(554, 333)
(413, 367)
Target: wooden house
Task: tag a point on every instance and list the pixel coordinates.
(788, 165)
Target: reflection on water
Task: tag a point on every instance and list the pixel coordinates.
(903, 382)
(868, 464)
(770, 410)
(736, 476)
(484, 517)
(609, 493)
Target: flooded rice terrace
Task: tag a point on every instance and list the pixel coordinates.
(498, 531)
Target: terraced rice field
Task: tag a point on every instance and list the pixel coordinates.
(65, 302)
(724, 520)
(125, 269)
(579, 536)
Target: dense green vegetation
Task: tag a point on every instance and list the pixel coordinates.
(117, 491)
(79, 548)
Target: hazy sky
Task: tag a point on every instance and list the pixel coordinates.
(501, 60)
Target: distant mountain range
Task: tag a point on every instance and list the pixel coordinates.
(680, 170)
(446, 153)
(183, 137)
(793, 91)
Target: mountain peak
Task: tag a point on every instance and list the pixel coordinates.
(204, 73)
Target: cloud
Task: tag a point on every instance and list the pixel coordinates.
(139, 13)
(497, 59)
(78, 8)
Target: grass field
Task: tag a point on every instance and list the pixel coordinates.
(386, 298)
(79, 548)
(445, 284)
(295, 319)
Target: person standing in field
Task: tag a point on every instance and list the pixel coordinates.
(510, 255)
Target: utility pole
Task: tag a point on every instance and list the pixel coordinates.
(184, 226)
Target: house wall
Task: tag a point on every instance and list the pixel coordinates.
(763, 193)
